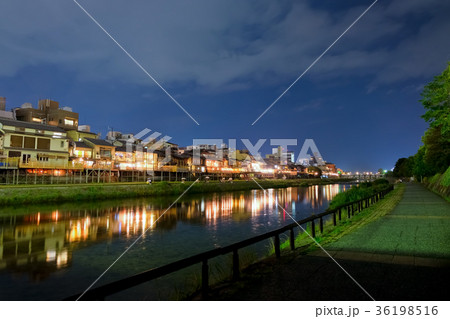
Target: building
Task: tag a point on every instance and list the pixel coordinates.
(102, 153)
(3, 112)
(48, 112)
(331, 167)
(81, 153)
(133, 157)
(78, 135)
(33, 145)
(283, 157)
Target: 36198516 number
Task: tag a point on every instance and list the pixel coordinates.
(407, 310)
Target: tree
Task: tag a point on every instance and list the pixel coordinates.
(404, 167)
(436, 100)
(437, 150)
(421, 169)
(314, 170)
(389, 174)
(434, 156)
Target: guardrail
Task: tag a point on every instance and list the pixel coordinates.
(101, 292)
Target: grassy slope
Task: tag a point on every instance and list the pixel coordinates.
(440, 184)
(34, 194)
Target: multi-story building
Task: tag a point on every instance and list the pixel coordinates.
(33, 145)
(48, 112)
(83, 131)
(3, 112)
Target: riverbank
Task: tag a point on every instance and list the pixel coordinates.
(45, 194)
(228, 290)
(396, 257)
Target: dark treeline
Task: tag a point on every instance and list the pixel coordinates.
(433, 157)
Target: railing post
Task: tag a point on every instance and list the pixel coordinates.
(277, 246)
(340, 214)
(348, 211)
(321, 225)
(313, 229)
(235, 265)
(292, 238)
(334, 218)
(205, 279)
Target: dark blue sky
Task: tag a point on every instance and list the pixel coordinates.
(227, 61)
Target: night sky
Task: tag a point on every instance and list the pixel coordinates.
(225, 62)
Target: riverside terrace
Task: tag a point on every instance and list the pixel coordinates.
(44, 154)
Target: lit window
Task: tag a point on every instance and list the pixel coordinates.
(68, 122)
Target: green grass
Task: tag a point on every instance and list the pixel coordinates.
(440, 184)
(40, 194)
(355, 193)
(446, 178)
(346, 225)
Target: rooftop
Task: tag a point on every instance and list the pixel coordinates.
(35, 126)
(98, 142)
(80, 144)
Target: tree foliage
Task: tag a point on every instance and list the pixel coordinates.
(436, 100)
(404, 167)
(434, 155)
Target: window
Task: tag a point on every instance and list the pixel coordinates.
(104, 152)
(60, 121)
(62, 144)
(42, 158)
(43, 143)
(16, 141)
(30, 142)
(26, 158)
(68, 122)
(14, 154)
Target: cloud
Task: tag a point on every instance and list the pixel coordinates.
(224, 45)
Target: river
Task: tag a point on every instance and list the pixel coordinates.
(52, 252)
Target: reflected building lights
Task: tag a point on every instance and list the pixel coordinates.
(56, 234)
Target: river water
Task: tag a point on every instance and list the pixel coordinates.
(52, 252)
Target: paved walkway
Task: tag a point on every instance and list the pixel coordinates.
(404, 255)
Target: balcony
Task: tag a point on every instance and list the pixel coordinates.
(8, 163)
(51, 165)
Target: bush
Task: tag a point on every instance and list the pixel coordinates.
(359, 192)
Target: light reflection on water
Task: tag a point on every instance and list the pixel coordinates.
(52, 253)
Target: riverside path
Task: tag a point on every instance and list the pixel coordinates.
(404, 255)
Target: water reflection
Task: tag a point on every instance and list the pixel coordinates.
(44, 242)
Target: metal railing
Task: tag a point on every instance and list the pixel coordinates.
(351, 208)
(50, 165)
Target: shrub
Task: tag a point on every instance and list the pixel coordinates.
(446, 178)
(358, 192)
